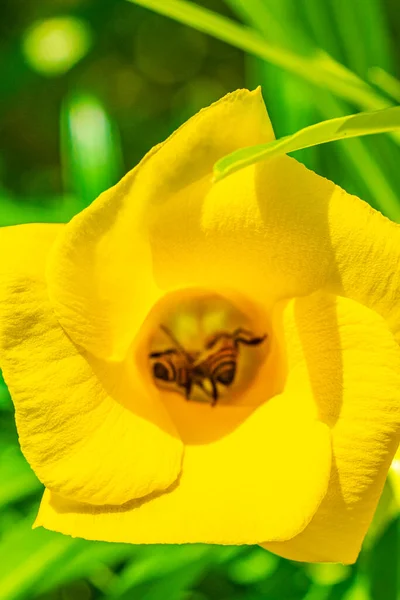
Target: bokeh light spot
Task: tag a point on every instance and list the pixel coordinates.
(328, 574)
(254, 566)
(53, 46)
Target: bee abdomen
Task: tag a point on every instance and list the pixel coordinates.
(165, 370)
(223, 365)
(225, 372)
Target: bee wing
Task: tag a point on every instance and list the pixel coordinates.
(202, 357)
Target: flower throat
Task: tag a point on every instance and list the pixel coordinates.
(204, 347)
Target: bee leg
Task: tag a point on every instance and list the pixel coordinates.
(249, 340)
(188, 389)
(214, 392)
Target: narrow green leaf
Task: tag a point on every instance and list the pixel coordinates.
(358, 158)
(347, 19)
(317, 68)
(389, 84)
(280, 87)
(374, 29)
(271, 20)
(172, 585)
(156, 564)
(321, 133)
(91, 560)
(360, 162)
(26, 556)
(318, 17)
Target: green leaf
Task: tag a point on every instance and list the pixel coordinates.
(389, 84)
(386, 512)
(381, 564)
(374, 181)
(374, 29)
(26, 557)
(327, 131)
(17, 479)
(346, 18)
(359, 163)
(280, 87)
(317, 67)
(153, 565)
(92, 560)
(5, 400)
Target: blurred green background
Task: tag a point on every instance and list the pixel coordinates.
(87, 87)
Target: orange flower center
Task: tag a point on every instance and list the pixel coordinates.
(207, 347)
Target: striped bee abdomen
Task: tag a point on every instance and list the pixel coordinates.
(164, 367)
(222, 364)
(172, 366)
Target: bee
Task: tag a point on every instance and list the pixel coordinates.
(217, 363)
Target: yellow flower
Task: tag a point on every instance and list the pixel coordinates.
(295, 452)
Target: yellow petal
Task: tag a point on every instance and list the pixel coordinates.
(89, 430)
(289, 232)
(274, 229)
(237, 489)
(277, 230)
(239, 479)
(354, 367)
(366, 264)
(101, 271)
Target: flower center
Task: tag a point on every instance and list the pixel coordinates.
(205, 346)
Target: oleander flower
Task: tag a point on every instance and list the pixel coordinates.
(295, 451)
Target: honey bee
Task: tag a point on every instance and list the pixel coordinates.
(217, 363)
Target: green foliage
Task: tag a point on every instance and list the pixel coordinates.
(124, 87)
(340, 128)
(316, 67)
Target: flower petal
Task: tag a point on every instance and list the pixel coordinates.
(275, 229)
(100, 273)
(354, 367)
(89, 430)
(237, 489)
(289, 232)
(344, 366)
(366, 265)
